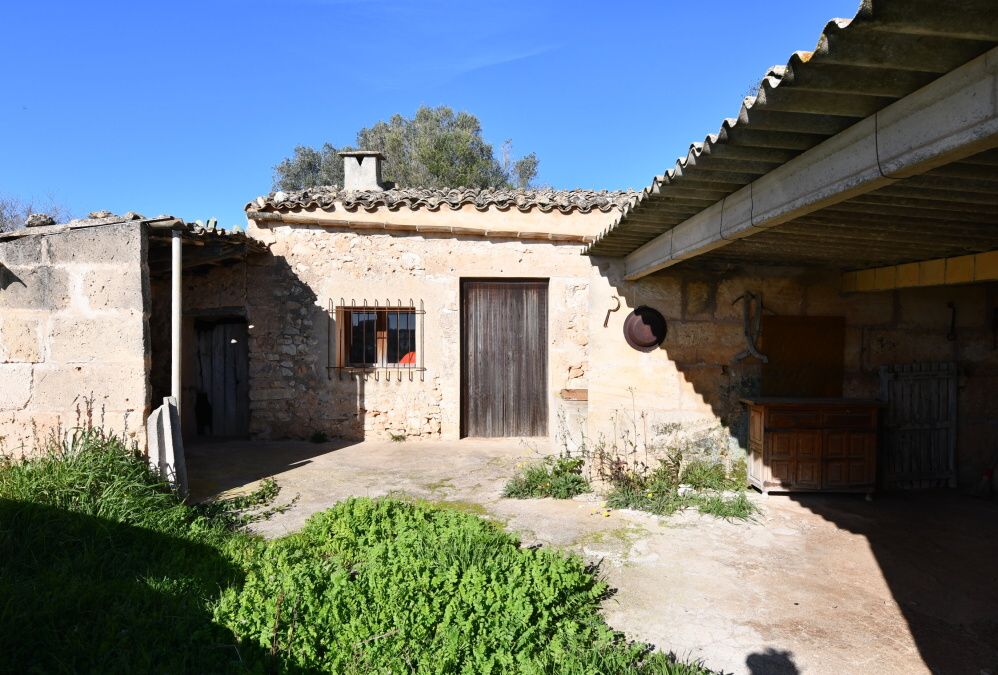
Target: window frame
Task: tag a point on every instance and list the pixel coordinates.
(381, 337)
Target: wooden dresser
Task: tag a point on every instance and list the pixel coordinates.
(812, 444)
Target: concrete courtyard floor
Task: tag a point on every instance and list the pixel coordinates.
(815, 584)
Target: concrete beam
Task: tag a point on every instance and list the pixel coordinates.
(949, 119)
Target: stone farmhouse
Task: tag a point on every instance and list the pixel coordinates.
(819, 278)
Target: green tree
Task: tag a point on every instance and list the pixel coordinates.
(436, 148)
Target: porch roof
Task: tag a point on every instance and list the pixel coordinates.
(888, 51)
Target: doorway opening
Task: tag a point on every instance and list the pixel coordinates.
(504, 357)
(221, 399)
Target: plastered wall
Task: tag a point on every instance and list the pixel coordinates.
(73, 327)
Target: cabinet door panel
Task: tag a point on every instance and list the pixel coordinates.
(836, 473)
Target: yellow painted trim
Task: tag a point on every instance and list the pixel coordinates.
(963, 269)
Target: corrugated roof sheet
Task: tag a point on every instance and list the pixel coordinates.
(951, 210)
(432, 199)
(887, 51)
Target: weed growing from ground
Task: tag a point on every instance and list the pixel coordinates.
(560, 478)
(659, 492)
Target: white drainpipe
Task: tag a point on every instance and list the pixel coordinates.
(175, 314)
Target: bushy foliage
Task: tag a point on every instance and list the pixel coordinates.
(104, 569)
(391, 586)
(560, 478)
(659, 491)
(435, 148)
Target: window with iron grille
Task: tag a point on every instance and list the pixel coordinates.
(374, 336)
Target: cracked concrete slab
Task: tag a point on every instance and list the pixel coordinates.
(815, 584)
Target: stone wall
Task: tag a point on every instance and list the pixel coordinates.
(295, 393)
(72, 328)
(694, 379)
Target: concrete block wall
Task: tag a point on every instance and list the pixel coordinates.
(694, 379)
(73, 327)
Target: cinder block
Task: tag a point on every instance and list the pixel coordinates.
(19, 340)
(699, 299)
(115, 386)
(114, 288)
(110, 339)
(107, 244)
(44, 288)
(664, 293)
(24, 251)
(783, 295)
(16, 390)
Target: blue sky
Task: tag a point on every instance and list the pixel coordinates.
(185, 107)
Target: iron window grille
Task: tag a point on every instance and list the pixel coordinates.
(378, 338)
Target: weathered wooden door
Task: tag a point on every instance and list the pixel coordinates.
(221, 404)
(504, 358)
(919, 425)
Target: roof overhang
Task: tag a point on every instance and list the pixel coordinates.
(824, 134)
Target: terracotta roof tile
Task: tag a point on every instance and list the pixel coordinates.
(433, 199)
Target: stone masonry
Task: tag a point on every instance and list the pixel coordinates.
(72, 329)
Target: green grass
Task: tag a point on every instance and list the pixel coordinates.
(704, 475)
(666, 500)
(103, 569)
(658, 492)
(560, 478)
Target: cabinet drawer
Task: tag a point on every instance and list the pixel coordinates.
(793, 419)
(849, 418)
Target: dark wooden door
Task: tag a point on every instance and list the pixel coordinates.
(919, 425)
(504, 358)
(221, 404)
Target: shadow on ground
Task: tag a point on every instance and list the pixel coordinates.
(938, 553)
(85, 594)
(771, 662)
(217, 466)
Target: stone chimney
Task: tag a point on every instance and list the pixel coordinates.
(362, 170)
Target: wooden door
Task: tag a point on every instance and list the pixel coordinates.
(504, 358)
(919, 425)
(221, 405)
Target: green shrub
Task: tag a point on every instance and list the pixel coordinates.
(104, 569)
(560, 478)
(391, 586)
